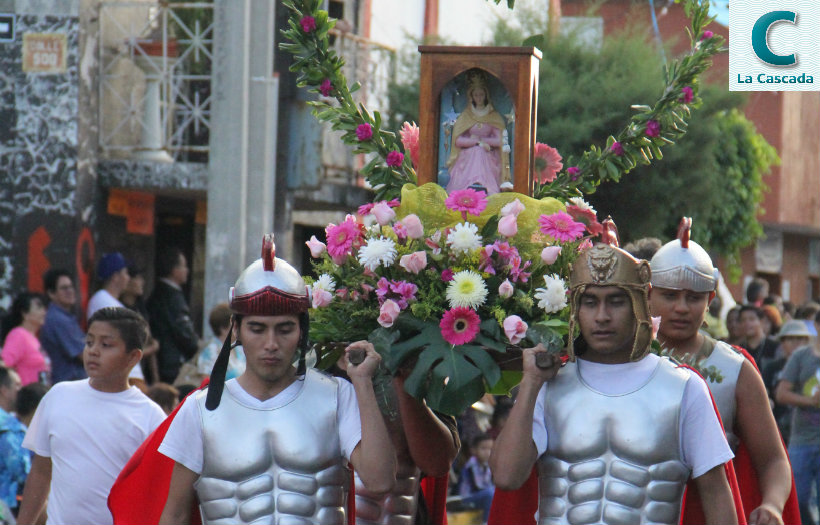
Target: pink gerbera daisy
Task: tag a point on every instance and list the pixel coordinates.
(467, 201)
(560, 226)
(460, 325)
(342, 238)
(547, 162)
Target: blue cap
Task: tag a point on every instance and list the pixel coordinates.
(109, 264)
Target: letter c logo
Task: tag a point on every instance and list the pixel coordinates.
(760, 42)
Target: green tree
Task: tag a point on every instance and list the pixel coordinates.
(713, 174)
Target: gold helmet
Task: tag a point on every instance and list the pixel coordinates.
(605, 264)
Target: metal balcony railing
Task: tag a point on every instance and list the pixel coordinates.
(155, 79)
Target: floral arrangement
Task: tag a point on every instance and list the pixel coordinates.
(449, 284)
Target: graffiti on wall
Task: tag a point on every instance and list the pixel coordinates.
(40, 225)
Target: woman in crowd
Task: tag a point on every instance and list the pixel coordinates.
(21, 348)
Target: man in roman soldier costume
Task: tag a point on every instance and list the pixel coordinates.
(273, 444)
(683, 283)
(617, 431)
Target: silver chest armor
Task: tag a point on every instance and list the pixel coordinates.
(728, 361)
(613, 459)
(282, 465)
(397, 507)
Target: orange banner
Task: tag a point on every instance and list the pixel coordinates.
(140, 217)
(117, 202)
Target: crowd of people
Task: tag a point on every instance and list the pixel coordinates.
(77, 400)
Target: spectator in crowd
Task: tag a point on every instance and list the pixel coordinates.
(15, 461)
(220, 322)
(21, 348)
(776, 301)
(112, 273)
(771, 320)
(799, 388)
(165, 395)
(761, 347)
(170, 317)
(28, 399)
(61, 336)
(788, 310)
(132, 298)
(735, 335)
(756, 291)
(806, 313)
(476, 482)
(792, 335)
(643, 248)
(108, 421)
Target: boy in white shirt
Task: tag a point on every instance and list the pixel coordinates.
(84, 432)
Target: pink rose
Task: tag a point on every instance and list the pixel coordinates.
(512, 208)
(342, 293)
(508, 226)
(321, 297)
(388, 313)
(550, 254)
(383, 213)
(414, 262)
(515, 329)
(506, 289)
(413, 225)
(317, 247)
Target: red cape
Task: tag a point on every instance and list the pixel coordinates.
(747, 476)
(435, 495)
(519, 506)
(141, 490)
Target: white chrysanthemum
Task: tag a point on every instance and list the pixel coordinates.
(326, 283)
(467, 289)
(464, 237)
(582, 204)
(377, 252)
(552, 298)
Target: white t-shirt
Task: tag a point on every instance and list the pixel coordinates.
(89, 436)
(103, 299)
(702, 439)
(183, 441)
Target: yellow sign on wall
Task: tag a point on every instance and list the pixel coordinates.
(44, 52)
